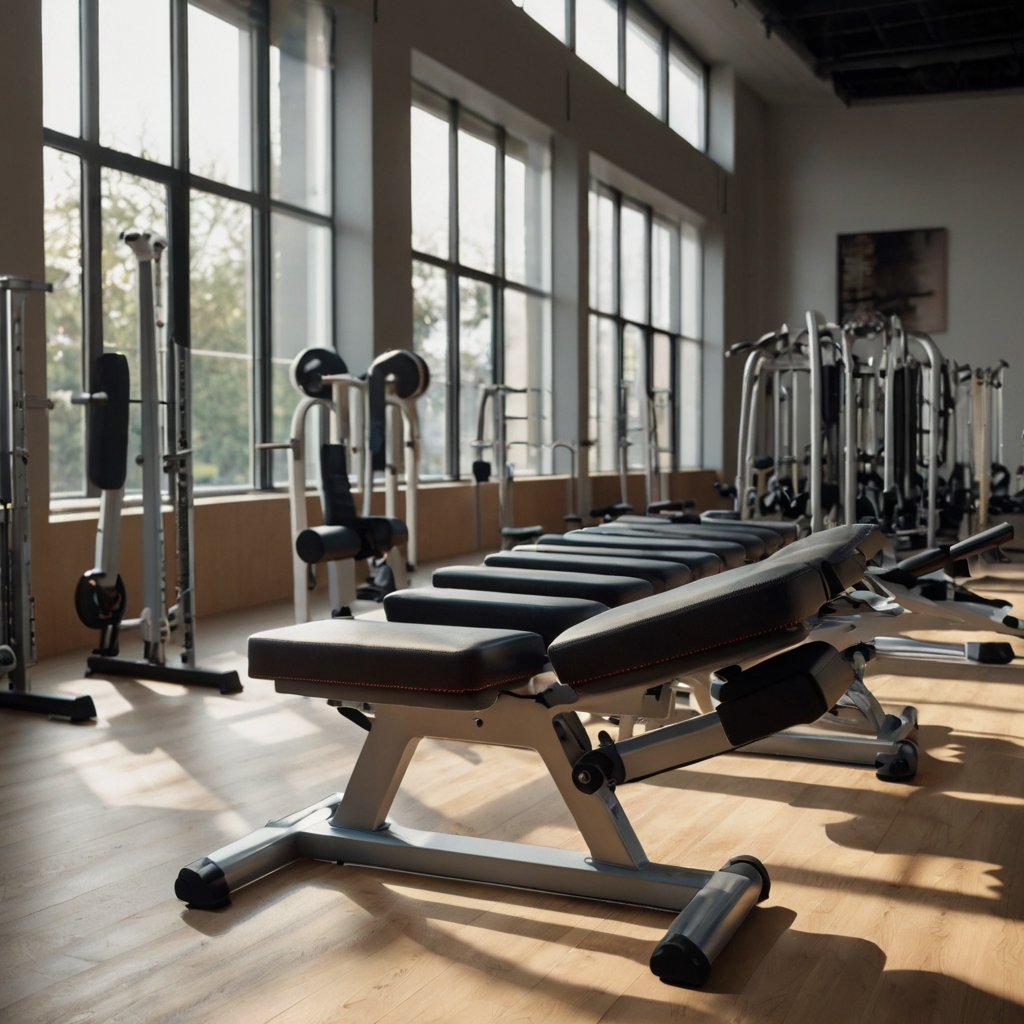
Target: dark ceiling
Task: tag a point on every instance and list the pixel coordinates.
(875, 50)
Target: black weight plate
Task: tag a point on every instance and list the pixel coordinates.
(310, 365)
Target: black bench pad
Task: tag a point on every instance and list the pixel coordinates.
(661, 575)
(546, 616)
(607, 590)
(729, 555)
(844, 549)
(371, 657)
(755, 544)
(700, 563)
(789, 532)
(706, 624)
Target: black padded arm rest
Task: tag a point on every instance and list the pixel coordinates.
(392, 656)
(546, 616)
(381, 534)
(327, 544)
(794, 688)
(610, 591)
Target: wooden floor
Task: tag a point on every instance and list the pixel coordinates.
(889, 903)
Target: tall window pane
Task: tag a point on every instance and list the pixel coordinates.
(634, 388)
(550, 14)
(597, 35)
(300, 302)
(661, 401)
(664, 271)
(300, 104)
(63, 238)
(689, 404)
(129, 202)
(528, 366)
(633, 250)
(643, 62)
(477, 182)
(430, 340)
(604, 395)
(691, 281)
(219, 66)
(221, 296)
(475, 364)
(61, 66)
(430, 200)
(527, 213)
(686, 96)
(602, 252)
(135, 77)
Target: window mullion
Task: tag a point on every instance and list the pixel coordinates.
(622, 44)
(91, 200)
(454, 363)
(262, 365)
(570, 24)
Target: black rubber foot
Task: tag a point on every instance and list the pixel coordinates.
(679, 961)
(64, 706)
(766, 882)
(202, 885)
(900, 765)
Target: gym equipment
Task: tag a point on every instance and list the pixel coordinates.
(17, 606)
(495, 395)
(856, 730)
(100, 597)
(365, 416)
(501, 687)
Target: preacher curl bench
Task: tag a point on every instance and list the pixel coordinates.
(501, 687)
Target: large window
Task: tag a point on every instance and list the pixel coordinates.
(232, 165)
(645, 326)
(481, 283)
(636, 51)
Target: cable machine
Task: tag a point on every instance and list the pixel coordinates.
(17, 605)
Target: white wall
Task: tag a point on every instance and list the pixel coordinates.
(952, 163)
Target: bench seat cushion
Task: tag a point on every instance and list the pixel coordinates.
(661, 575)
(729, 555)
(607, 590)
(700, 563)
(369, 657)
(660, 526)
(546, 616)
(710, 623)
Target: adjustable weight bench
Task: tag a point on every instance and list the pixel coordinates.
(703, 538)
(705, 558)
(500, 687)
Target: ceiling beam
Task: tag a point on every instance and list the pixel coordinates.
(952, 54)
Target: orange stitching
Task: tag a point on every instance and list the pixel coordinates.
(699, 650)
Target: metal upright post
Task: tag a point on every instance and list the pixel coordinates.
(17, 606)
(817, 446)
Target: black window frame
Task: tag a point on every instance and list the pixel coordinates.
(669, 39)
(178, 182)
(455, 270)
(677, 336)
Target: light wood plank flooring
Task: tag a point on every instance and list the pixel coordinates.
(889, 903)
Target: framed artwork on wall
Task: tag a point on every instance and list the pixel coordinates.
(902, 273)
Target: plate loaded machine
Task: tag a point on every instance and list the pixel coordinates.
(496, 395)
(364, 417)
(17, 609)
(100, 597)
